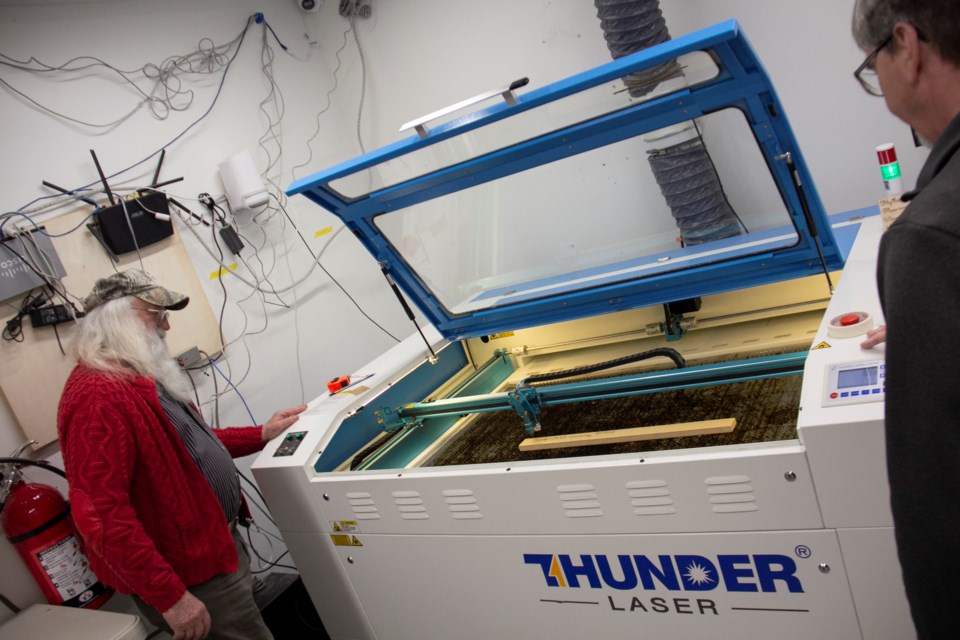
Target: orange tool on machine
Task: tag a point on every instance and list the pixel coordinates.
(338, 383)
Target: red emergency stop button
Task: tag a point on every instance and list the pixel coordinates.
(849, 320)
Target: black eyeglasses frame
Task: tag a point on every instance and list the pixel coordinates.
(866, 66)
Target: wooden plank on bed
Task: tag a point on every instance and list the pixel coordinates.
(634, 434)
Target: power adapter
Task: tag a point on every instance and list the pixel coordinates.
(233, 241)
(48, 316)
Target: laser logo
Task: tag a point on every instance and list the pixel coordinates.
(759, 573)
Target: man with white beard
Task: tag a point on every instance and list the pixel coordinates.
(154, 492)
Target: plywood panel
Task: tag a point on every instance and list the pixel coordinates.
(33, 372)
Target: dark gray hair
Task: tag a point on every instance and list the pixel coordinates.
(938, 22)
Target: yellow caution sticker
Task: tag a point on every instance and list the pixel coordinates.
(822, 345)
(355, 541)
(322, 232)
(498, 336)
(351, 526)
(341, 540)
(359, 390)
(223, 271)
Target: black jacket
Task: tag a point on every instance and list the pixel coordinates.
(919, 280)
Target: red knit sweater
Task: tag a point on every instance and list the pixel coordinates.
(150, 522)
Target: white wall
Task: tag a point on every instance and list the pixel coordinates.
(808, 51)
(420, 55)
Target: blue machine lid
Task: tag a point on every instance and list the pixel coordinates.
(664, 175)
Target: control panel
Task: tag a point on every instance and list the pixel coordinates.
(855, 383)
(290, 443)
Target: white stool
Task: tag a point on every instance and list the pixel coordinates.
(45, 621)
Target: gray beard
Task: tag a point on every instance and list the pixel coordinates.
(165, 370)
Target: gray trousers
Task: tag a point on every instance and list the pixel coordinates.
(229, 600)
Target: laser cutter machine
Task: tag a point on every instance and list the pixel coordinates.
(637, 410)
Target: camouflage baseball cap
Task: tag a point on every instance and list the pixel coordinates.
(133, 282)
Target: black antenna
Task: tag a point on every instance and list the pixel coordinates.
(157, 185)
(69, 193)
(103, 178)
(156, 173)
(188, 211)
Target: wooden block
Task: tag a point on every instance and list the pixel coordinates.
(679, 430)
(890, 210)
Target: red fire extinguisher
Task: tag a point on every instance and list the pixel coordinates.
(36, 520)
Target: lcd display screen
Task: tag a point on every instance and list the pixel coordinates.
(856, 378)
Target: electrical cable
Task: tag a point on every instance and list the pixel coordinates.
(316, 260)
(363, 74)
(226, 69)
(259, 495)
(56, 332)
(49, 279)
(9, 215)
(265, 563)
(330, 92)
(296, 320)
(274, 563)
(8, 604)
(133, 235)
(275, 36)
(107, 125)
(216, 398)
(275, 97)
(673, 354)
(250, 269)
(205, 59)
(196, 394)
(46, 271)
(254, 285)
(208, 202)
(13, 330)
(239, 395)
(262, 561)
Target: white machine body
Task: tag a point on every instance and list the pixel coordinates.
(785, 539)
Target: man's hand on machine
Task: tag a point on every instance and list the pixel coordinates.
(188, 618)
(282, 419)
(875, 337)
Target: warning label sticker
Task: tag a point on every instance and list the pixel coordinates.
(343, 540)
(350, 526)
(67, 567)
(822, 345)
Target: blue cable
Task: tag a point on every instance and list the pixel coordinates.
(232, 386)
(5, 216)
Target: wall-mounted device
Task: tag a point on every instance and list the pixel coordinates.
(310, 6)
(16, 276)
(148, 216)
(242, 182)
(129, 225)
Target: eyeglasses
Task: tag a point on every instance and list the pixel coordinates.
(161, 314)
(866, 75)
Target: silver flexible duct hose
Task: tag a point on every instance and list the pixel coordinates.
(685, 172)
(633, 25)
(689, 182)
